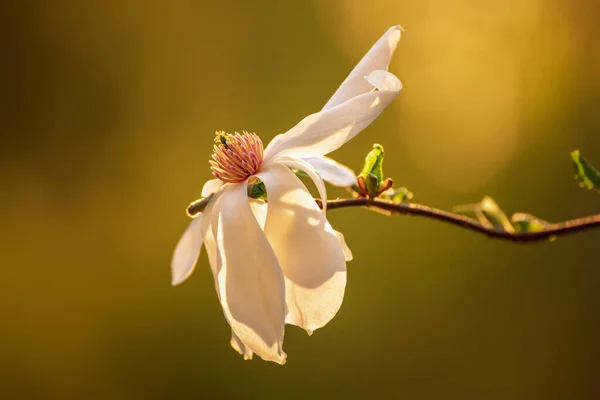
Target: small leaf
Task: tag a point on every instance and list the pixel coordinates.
(524, 222)
(398, 196)
(257, 190)
(488, 213)
(585, 173)
(494, 214)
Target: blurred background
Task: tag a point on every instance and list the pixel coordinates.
(108, 112)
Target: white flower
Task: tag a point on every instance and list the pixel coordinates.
(281, 262)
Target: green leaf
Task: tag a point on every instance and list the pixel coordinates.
(257, 190)
(490, 210)
(585, 173)
(398, 196)
(488, 213)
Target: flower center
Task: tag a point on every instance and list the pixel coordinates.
(236, 157)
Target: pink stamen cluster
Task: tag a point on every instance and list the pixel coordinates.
(236, 157)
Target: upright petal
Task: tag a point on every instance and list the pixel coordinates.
(250, 281)
(332, 171)
(307, 248)
(325, 131)
(377, 58)
(211, 186)
(187, 251)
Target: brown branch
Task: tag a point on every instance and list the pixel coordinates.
(550, 230)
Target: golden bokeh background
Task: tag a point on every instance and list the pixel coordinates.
(108, 111)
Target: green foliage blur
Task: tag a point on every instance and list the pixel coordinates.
(587, 175)
(107, 118)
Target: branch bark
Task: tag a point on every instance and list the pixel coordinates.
(549, 231)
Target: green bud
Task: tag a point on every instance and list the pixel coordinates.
(585, 173)
(372, 183)
(197, 206)
(371, 179)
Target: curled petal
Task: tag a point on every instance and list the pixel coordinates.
(378, 57)
(304, 166)
(384, 81)
(325, 131)
(250, 281)
(307, 248)
(332, 171)
(211, 186)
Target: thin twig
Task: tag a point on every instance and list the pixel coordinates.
(549, 231)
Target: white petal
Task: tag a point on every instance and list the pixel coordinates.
(188, 248)
(325, 131)
(384, 81)
(307, 248)
(187, 251)
(259, 209)
(240, 347)
(302, 165)
(211, 249)
(377, 58)
(209, 231)
(332, 171)
(211, 186)
(250, 282)
(345, 248)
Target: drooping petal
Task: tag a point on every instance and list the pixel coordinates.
(209, 231)
(332, 171)
(188, 248)
(304, 166)
(345, 248)
(211, 186)
(210, 244)
(240, 347)
(307, 248)
(250, 282)
(260, 209)
(325, 131)
(378, 57)
(187, 251)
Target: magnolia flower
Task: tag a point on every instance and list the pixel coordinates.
(280, 261)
